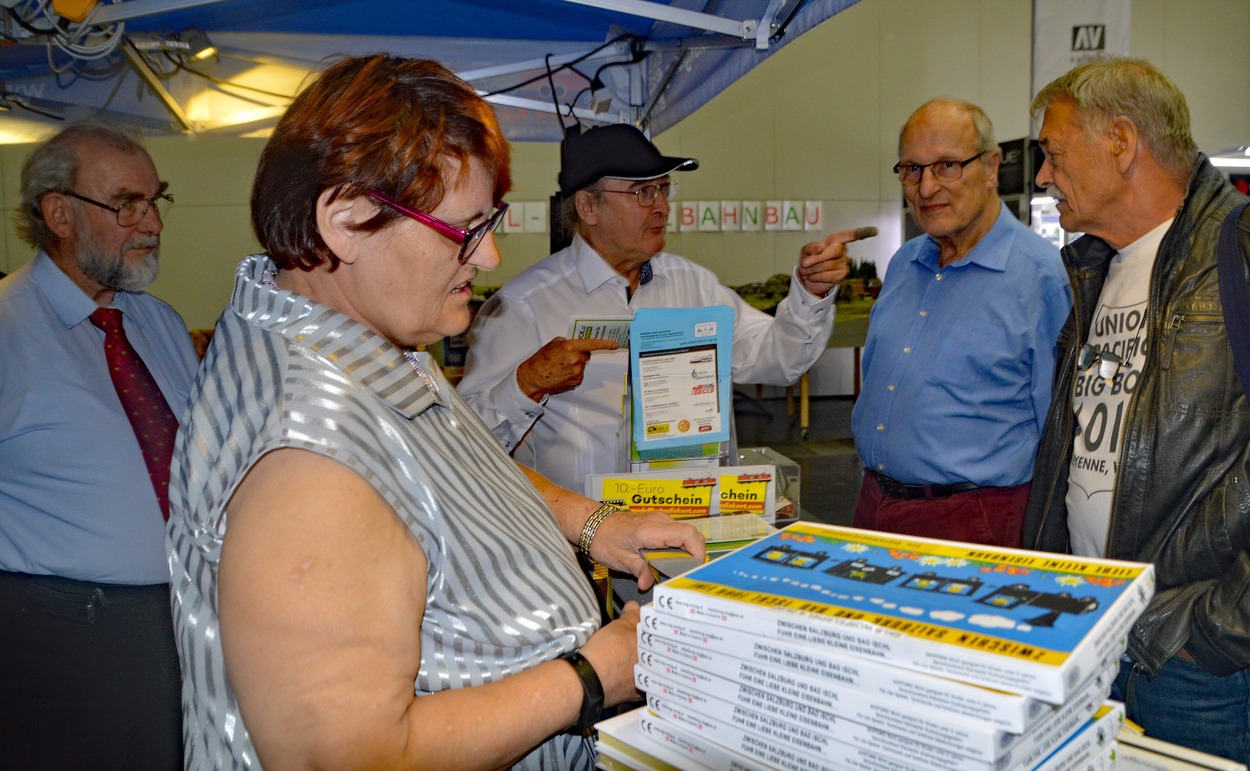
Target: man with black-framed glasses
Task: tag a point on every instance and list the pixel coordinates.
(94, 375)
(556, 403)
(961, 345)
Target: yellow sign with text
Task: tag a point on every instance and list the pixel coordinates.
(679, 497)
(739, 495)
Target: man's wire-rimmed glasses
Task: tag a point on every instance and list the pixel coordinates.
(132, 211)
(648, 194)
(468, 239)
(943, 171)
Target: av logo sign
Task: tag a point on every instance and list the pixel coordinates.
(1089, 37)
(1069, 32)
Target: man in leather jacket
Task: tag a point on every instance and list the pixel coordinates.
(1146, 451)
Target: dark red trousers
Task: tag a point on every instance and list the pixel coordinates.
(987, 515)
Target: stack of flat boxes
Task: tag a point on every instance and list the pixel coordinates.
(832, 648)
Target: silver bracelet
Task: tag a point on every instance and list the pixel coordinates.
(591, 527)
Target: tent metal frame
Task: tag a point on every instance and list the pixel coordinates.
(635, 100)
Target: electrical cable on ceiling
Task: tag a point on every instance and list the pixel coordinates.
(117, 86)
(82, 41)
(577, 97)
(550, 73)
(231, 84)
(570, 65)
(97, 72)
(17, 18)
(75, 39)
(554, 99)
(597, 84)
(9, 101)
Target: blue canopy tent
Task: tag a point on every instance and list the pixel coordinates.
(545, 64)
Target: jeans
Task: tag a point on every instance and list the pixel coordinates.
(1187, 705)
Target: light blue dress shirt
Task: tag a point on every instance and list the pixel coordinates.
(959, 361)
(75, 496)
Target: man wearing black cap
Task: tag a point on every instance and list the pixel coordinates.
(550, 401)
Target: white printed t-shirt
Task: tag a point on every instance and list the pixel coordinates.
(1120, 326)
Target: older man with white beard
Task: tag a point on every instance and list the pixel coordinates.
(94, 374)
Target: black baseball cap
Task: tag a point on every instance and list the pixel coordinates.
(620, 150)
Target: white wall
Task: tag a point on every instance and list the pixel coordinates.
(819, 120)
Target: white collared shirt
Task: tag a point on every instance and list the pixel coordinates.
(575, 433)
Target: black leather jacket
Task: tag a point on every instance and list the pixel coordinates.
(1182, 494)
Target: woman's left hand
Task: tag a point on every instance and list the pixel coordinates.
(621, 537)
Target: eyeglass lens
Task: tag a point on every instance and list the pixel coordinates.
(647, 194)
(1108, 363)
(475, 236)
(946, 171)
(132, 212)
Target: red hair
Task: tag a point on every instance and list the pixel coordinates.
(398, 126)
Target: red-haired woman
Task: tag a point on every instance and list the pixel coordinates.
(362, 577)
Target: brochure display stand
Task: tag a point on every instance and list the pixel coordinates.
(678, 409)
(680, 377)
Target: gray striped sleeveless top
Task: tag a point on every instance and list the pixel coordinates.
(504, 591)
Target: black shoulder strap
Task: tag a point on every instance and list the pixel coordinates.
(1234, 295)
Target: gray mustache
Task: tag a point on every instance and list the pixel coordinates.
(144, 242)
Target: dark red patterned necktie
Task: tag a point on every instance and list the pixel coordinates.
(150, 417)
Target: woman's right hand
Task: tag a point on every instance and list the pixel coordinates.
(613, 651)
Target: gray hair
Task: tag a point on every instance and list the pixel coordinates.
(1106, 88)
(53, 168)
(568, 207)
(980, 121)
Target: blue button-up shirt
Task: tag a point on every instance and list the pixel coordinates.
(75, 496)
(959, 361)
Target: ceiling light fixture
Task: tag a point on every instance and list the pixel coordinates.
(1234, 158)
(193, 42)
(198, 45)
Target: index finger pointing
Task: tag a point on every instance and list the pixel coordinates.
(847, 236)
(592, 344)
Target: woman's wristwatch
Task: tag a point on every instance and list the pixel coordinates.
(592, 693)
